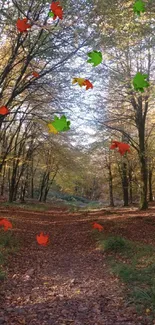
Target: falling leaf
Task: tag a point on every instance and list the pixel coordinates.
(80, 81)
(83, 82)
(7, 224)
(35, 74)
(59, 124)
(122, 147)
(147, 311)
(88, 84)
(97, 226)
(51, 128)
(56, 10)
(4, 110)
(95, 58)
(22, 25)
(139, 7)
(42, 239)
(139, 82)
(50, 14)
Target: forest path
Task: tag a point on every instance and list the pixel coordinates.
(67, 282)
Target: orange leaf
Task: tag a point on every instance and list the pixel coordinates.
(88, 84)
(97, 226)
(4, 110)
(56, 9)
(35, 74)
(7, 224)
(22, 25)
(122, 147)
(42, 239)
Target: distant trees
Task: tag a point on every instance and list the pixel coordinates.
(136, 54)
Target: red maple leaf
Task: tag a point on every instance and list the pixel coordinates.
(122, 147)
(7, 224)
(42, 239)
(97, 226)
(22, 25)
(4, 110)
(56, 9)
(88, 84)
(35, 74)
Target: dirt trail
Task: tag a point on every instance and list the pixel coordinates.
(65, 283)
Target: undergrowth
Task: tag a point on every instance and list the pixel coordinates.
(133, 264)
(8, 245)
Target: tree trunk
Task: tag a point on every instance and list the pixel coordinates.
(43, 184)
(23, 191)
(3, 180)
(150, 186)
(143, 168)
(111, 198)
(130, 185)
(32, 181)
(125, 184)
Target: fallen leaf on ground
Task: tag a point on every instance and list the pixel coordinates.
(42, 239)
(7, 224)
(97, 226)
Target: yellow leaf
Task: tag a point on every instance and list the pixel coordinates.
(80, 81)
(148, 310)
(52, 129)
(78, 291)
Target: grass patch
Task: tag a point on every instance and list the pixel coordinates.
(8, 245)
(27, 206)
(115, 244)
(133, 264)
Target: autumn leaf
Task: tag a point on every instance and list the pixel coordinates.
(59, 124)
(35, 74)
(7, 224)
(88, 84)
(97, 226)
(56, 10)
(122, 147)
(80, 81)
(83, 82)
(51, 128)
(4, 110)
(50, 14)
(42, 239)
(139, 6)
(22, 25)
(139, 82)
(95, 58)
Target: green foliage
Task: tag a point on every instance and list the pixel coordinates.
(2, 275)
(115, 244)
(137, 269)
(8, 244)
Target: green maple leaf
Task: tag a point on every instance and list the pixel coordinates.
(50, 14)
(61, 124)
(95, 57)
(139, 7)
(139, 82)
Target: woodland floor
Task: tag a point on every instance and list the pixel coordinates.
(69, 281)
